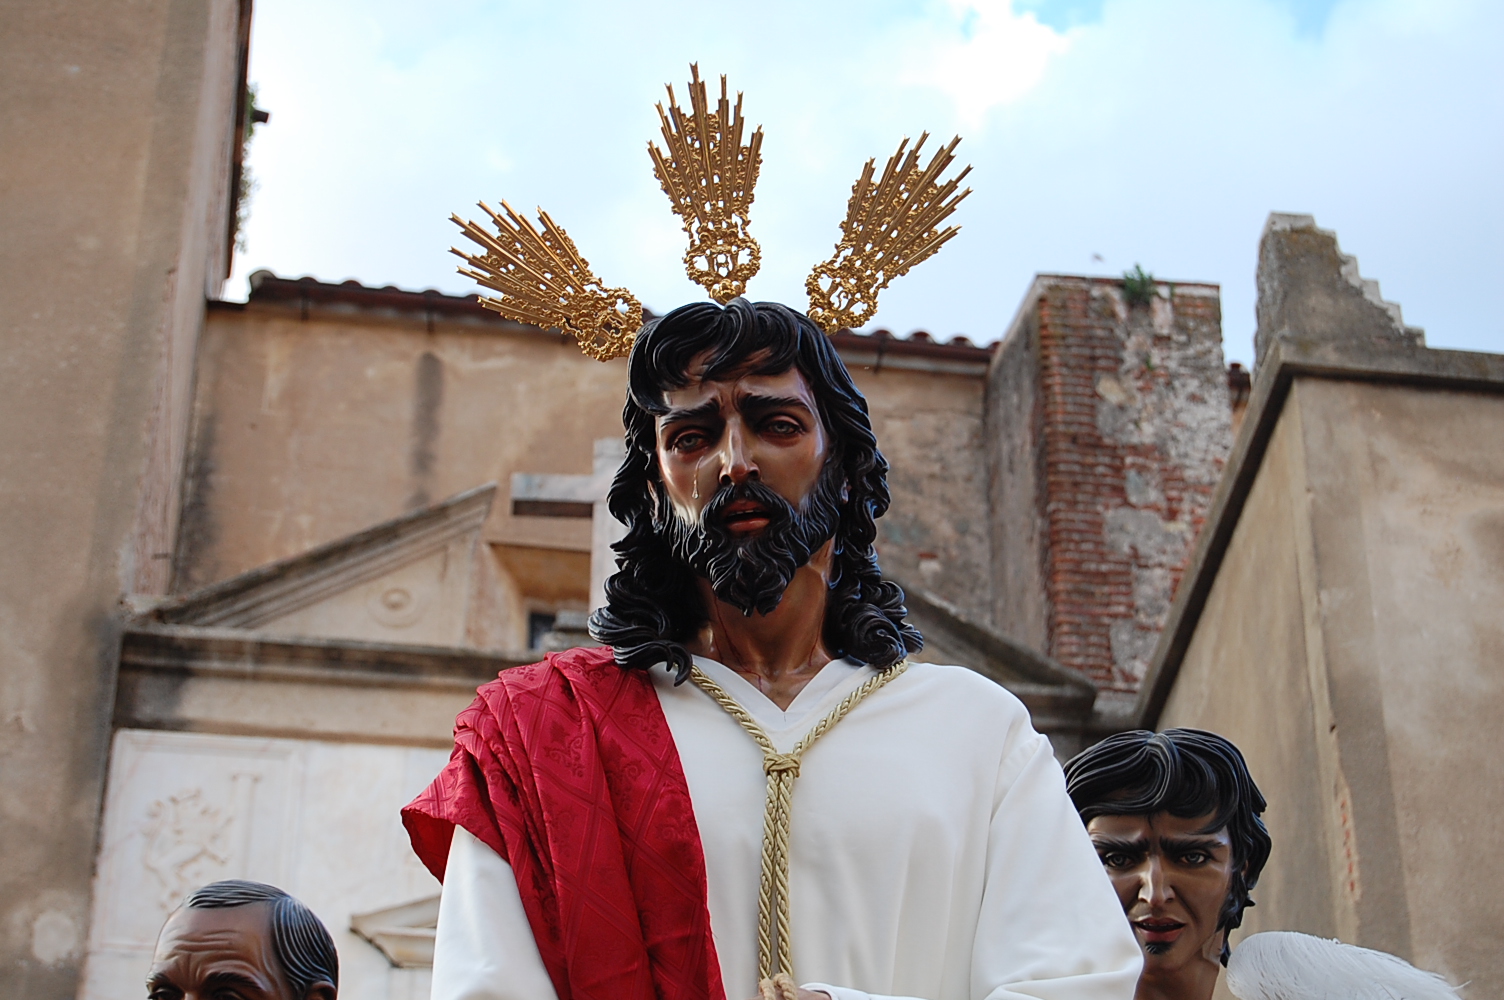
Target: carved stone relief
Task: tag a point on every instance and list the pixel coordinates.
(183, 810)
(188, 837)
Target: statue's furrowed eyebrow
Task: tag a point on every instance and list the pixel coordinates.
(709, 408)
(1192, 843)
(759, 402)
(752, 402)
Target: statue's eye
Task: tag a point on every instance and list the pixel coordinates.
(782, 427)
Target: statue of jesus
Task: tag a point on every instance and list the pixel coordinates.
(749, 787)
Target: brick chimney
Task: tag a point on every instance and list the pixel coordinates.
(1108, 424)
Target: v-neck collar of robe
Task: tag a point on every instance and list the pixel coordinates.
(832, 683)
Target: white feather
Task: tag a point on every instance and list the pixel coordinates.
(1283, 965)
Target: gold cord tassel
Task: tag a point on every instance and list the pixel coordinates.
(773, 921)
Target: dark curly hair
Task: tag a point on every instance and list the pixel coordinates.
(1186, 773)
(652, 603)
(300, 940)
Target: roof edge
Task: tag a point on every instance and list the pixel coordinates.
(306, 294)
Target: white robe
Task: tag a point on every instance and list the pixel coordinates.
(934, 853)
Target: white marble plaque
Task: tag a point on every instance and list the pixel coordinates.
(319, 820)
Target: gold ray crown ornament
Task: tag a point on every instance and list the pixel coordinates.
(890, 226)
(709, 176)
(543, 280)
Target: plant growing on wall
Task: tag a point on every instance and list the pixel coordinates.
(253, 116)
(1138, 286)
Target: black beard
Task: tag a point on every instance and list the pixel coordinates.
(1158, 947)
(751, 574)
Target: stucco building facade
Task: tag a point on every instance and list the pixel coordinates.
(122, 138)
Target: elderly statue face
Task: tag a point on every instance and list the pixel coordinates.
(1172, 876)
(222, 954)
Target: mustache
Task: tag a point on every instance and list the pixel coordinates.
(779, 511)
(752, 573)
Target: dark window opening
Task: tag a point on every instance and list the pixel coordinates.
(538, 623)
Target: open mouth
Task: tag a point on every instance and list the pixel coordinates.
(744, 515)
(1159, 930)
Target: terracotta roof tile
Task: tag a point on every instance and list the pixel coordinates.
(268, 288)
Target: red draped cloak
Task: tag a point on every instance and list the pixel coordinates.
(567, 770)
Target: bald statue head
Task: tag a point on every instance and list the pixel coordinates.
(246, 940)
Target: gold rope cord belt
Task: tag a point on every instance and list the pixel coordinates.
(782, 769)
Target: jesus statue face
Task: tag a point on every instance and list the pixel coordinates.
(747, 428)
(750, 468)
(744, 461)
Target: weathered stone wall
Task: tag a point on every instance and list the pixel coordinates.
(1309, 289)
(118, 124)
(1340, 619)
(929, 427)
(315, 423)
(317, 420)
(1352, 649)
(1246, 677)
(1128, 433)
(1019, 531)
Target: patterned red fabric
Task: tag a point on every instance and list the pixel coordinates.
(567, 769)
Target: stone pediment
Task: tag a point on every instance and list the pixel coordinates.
(424, 578)
(404, 934)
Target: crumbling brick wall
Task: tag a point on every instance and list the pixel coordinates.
(1127, 427)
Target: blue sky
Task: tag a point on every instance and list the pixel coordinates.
(1310, 16)
(1102, 133)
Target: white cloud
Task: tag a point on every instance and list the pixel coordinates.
(981, 55)
(1162, 133)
